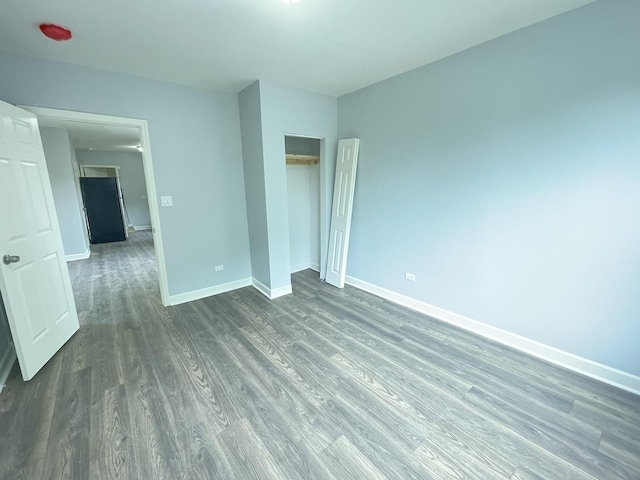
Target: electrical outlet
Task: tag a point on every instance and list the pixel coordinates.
(219, 268)
(410, 276)
(166, 201)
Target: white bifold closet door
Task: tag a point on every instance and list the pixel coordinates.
(341, 211)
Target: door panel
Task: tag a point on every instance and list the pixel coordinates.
(36, 185)
(10, 218)
(36, 289)
(346, 166)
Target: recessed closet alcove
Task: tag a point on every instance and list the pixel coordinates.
(303, 190)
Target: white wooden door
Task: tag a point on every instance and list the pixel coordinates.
(341, 210)
(34, 278)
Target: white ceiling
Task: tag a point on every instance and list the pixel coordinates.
(92, 136)
(326, 46)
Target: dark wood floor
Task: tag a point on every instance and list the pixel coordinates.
(324, 383)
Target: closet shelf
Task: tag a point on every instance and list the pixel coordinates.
(302, 159)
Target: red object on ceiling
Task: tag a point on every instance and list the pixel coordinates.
(55, 32)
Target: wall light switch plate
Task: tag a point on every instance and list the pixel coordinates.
(166, 201)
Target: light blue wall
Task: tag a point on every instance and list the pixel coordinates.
(253, 161)
(132, 182)
(268, 113)
(287, 111)
(195, 143)
(60, 160)
(507, 178)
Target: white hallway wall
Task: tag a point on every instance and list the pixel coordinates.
(60, 158)
(132, 181)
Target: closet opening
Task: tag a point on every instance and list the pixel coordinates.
(303, 157)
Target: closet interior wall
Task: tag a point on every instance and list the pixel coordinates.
(303, 191)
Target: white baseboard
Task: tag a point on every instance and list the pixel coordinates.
(281, 291)
(306, 266)
(598, 371)
(139, 228)
(207, 292)
(261, 287)
(271, 293)
(6, 364)
(78, 256)
(300, 267)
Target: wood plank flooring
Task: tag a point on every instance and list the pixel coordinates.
(320, 384)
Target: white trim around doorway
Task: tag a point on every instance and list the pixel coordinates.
(147, 162)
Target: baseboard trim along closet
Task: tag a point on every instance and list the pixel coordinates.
(271, 293)
(306, 266)
(140, 228)
(78, 256)
(581, 365)
(281, 291)
(209, 291)
(300, 267)
(6, 364)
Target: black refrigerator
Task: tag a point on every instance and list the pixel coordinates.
(102, 204)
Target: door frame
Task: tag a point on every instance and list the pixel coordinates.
(315, 267)
(82, 167)
(147, 164)
(123, 213)
(325, 212)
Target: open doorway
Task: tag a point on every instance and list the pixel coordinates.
(103, 133)
(303, 157)
(103, 202)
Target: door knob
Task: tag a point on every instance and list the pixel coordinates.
(9, 259)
